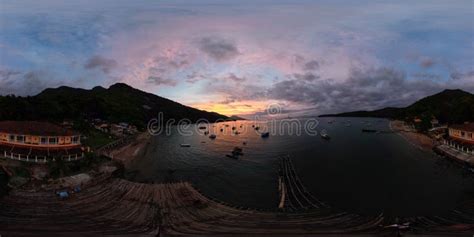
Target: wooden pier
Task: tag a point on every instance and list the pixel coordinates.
(293, 194)
(114, 206)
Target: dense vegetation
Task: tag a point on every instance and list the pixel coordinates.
(448, 106)
(119, 103)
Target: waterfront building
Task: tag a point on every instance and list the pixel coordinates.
(462, 132)
(38, 141)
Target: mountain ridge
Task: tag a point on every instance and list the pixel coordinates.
(118, 103)
(448, 106)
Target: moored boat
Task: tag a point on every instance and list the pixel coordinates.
(325, 136)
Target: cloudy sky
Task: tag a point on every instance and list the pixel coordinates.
(237, 57)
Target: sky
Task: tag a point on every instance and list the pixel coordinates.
(241, 57)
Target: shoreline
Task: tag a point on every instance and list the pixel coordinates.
(417, 139)
(124, 207)
(130, 152)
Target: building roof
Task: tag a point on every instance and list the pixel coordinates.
(34, 128)
(464, 127)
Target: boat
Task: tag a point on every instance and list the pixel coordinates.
(265, 134)
(212, 136)
(185, 145)
(232, 156)
(325, 136)
(237, 151)
(369, 130)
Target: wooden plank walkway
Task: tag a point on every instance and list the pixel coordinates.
(113, 206)
(293, 194)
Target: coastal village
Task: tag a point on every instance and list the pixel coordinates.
(176, 208)
(455, 141)
(67, 175)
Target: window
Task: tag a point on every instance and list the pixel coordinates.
(53, 140)
(20, 139)
(11, 138)
(44, 140)
(469, 135)
(75, 140)
(463, 134)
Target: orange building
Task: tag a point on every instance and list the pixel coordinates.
(33, 141)
(462, 132)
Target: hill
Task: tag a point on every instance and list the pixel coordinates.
(118, 103)
(448, 106)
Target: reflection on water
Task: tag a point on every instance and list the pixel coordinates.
(355, 171)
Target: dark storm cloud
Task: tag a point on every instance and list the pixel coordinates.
(194, 77)
(460, 75)
(161, 81)
(218, 49)
(5, 75)
(176, 64)
(426, 76)
(101, 63)
(306, 76)
(30, 83)
(364, 90)
(311, 65)
(234, 78)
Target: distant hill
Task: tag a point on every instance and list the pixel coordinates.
(448, 106)
(119, 103)
(235, 117)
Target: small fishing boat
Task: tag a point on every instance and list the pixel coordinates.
(185, 145)
(232, 156)
(265, 134)
(237, 151)
(212, 136)
(324, 135)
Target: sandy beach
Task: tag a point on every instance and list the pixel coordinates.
(131, 151)
(413, 137)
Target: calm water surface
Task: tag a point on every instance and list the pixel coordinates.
(360, 172)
